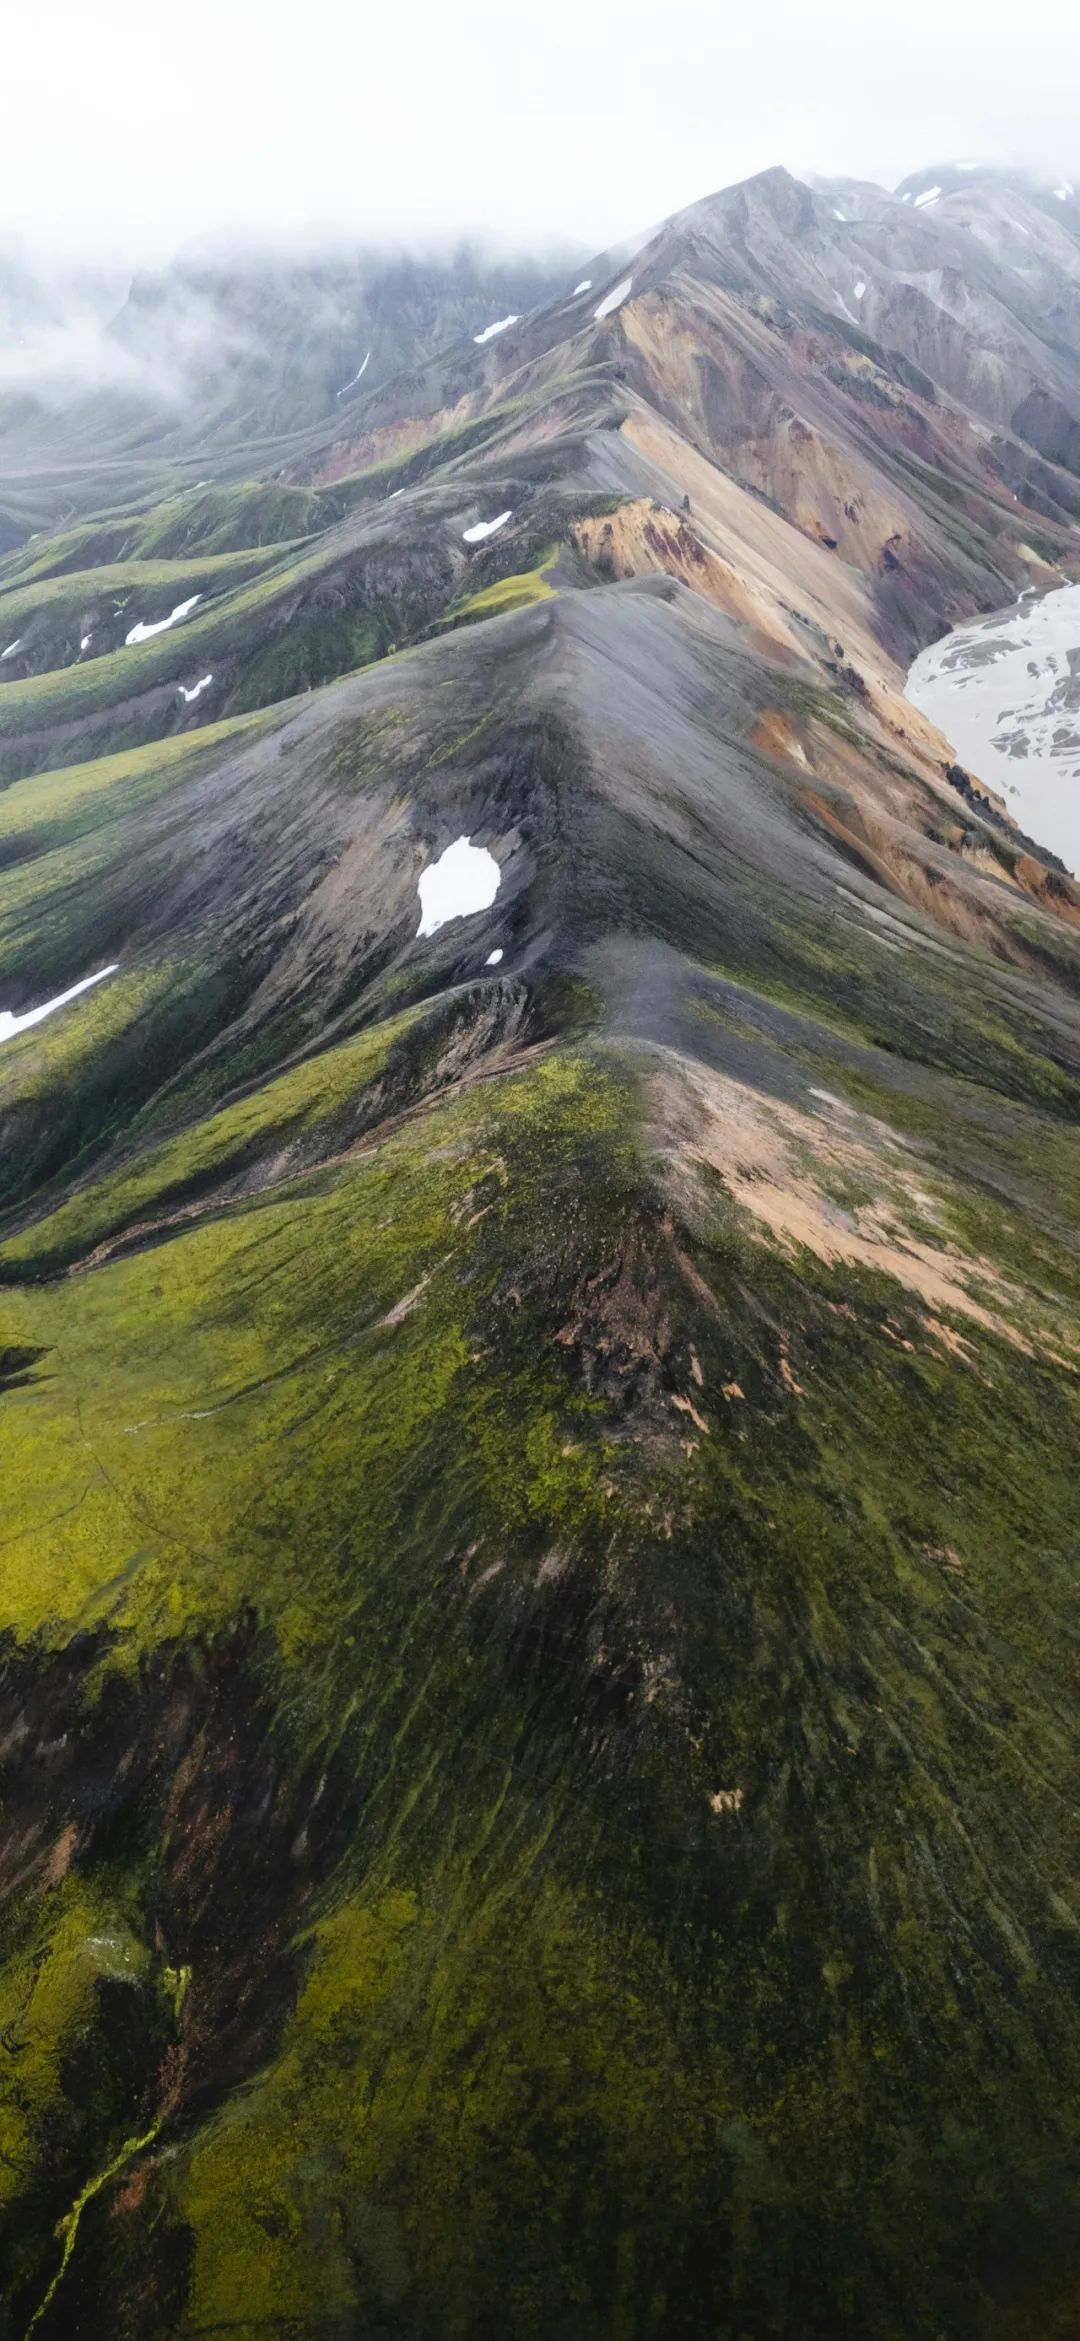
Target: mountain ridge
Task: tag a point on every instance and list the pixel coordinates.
(539, 1579)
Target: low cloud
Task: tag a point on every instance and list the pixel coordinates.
(57, 362)
(160, 353)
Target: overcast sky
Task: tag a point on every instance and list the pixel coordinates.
(135, 129)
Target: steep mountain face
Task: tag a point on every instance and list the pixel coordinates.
(540, 1575)
(869, 378)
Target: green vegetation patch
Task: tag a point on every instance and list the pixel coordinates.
(308, 1097)
(223, 1341)
(124, 582)
(355, 2181)
(507, 593)
(47, 1998)
(220, 519)
(234, 517)
(98, 683)
(54, 808)
(77, 1081)
(688, 1636)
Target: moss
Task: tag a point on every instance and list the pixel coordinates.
(310, 652)
(814, 703)
(69, 1085)
(71, 693)
(448, 751)
(124, 581)
(55, 808)
(675, 1637)
(234, 517)
(507, 593)
(208, 520)
(309, 1097)
(942, 1007)
(338, 2190)
(48, 1989)
(231, 1369)
(310, 614)
(449, 443)
(1049, 549)
(571, 2049)
(37, 1062)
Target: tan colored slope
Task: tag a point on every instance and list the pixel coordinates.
(788, 578)
(388, 443)
(924, 849)
(793, 585)
(842, 1185)
(730, 380)
(643, 536)
(793, 576)
(894, 812)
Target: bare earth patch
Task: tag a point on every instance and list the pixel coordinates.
(779, 1163)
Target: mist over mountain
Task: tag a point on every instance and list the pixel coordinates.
(267, 337)
(253, 342)
(539, 1266)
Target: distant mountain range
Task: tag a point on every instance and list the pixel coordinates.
(234, 349)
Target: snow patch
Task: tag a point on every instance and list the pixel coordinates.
(584, 287)
(142, 633)
(906, 198)
(465, 879)
(929, 195)
(10, 1025)
(11, 648)
(85, 641)
(840, 215)
(195, 689)
(482, 528)
(499, 326)
(356, 378)
(1063, 193)
(615, 298)
(860, 288)
(493, 959)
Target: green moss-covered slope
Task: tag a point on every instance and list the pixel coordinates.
(643, 1594)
